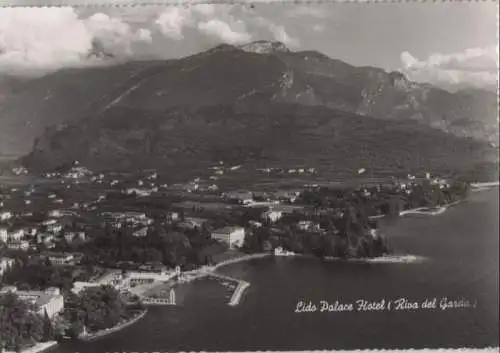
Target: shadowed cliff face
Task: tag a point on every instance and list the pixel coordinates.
(109, 111)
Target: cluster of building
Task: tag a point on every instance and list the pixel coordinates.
(126, 281)
(18, 235)
(49, 301)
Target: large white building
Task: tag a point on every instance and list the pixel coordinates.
(272, 215)
(232, 236)
(11, 234)
(50, 300)
(126, 281)
(61, 259)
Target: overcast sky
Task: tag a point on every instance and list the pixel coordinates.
(434, 41)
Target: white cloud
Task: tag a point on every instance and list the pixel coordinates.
(173, 20)
(232, 24)
(279, 33)
(211, 20)
(144, 35)
(408, 60)
(223, 31)
(49, 38)
(54, 37)
(41, 37)
(476, 67)
(113, 34)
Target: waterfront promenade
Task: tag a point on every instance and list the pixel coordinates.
(105, 332)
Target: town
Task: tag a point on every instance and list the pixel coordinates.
(76, 239)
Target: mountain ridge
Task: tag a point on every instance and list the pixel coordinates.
(248, 78)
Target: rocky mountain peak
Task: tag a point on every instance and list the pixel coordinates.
(400, 81)
(264, 47)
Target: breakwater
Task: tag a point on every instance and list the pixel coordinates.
(238, 292)
(236, 297)
(210, 271)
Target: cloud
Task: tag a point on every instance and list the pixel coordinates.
(116, 36)
(144, 35)
(276, 32)
(45, 39)
(279, 33)
(223, 31)
(232, 24)
(476, 66)
(50, 38)
(173, 20)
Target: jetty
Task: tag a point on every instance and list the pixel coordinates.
(235, 298)
(240, 289)
(210, 271)
(486, 184)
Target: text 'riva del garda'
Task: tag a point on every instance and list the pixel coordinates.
(400, 304)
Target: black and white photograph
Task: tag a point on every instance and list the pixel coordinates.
(243, 177)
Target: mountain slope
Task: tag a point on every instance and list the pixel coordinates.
(257, 102)
(284, 135)
(257, 73)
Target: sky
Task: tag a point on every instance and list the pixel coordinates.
(436, 42)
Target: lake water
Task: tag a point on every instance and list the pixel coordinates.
(461, 248)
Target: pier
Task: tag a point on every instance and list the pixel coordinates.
(485, 185)
(209, 271)
(235, 298)
(240, 289)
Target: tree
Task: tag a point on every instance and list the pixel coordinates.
(19, 322)
(96, 308)
(48, 330)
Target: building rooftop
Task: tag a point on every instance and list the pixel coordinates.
(227, 230)
(37, 297)
(195, 220)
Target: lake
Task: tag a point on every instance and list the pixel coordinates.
(461, 251)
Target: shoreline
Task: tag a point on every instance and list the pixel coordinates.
(384, 259)
(37, 348)
(105, 332)
(438, 209)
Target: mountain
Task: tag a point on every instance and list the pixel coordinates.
(281, 135)
(195, 103)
